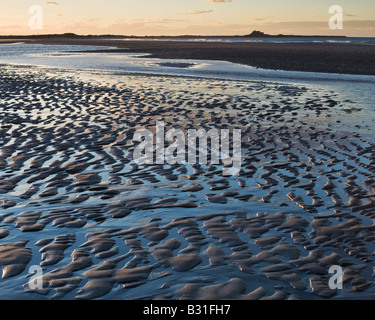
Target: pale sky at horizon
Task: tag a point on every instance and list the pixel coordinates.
(178, 17)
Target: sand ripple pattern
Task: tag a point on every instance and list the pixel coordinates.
(74, 203)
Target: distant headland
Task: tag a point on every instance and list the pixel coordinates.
(260, 34)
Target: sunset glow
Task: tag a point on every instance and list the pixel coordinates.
(195, 17)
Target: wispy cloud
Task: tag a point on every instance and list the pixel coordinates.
(52, 3)
(199, 11)
(261, 18)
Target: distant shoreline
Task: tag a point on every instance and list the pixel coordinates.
(254, 34)
(341, 58)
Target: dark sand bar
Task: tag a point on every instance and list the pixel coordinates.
(341, 58)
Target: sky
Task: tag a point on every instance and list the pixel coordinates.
(182, 17)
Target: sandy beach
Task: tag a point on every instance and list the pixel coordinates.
(313, 57)
(74, 202)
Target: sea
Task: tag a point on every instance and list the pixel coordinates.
(355, 40)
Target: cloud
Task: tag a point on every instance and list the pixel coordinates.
(214, 1)
(261, 18)
(199, 11)
(52, 3)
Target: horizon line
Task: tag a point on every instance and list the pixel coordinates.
(251, 35)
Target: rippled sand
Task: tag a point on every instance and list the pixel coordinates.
(75, 203)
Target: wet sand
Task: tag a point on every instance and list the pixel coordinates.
(312, 57)
(101, 227)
